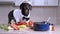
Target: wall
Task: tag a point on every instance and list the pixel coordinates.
(4, 10)
(38, 14)
(43, 13)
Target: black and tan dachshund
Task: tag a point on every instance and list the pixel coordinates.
(25, 8)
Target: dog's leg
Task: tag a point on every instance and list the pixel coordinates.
(10, 16)
(9, 21)
(14, 20)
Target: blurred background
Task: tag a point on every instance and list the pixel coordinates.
(41, 10)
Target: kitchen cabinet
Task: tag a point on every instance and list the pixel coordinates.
(45, 3)
(52, 2)
(38, 2)
(33, 2)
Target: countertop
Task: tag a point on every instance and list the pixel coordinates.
(30, 31)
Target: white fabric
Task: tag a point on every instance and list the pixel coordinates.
(27, 17)
(18, 15)
(27, 1)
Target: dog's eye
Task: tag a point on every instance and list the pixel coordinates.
(26, 8)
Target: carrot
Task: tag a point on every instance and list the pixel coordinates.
(15, 27)
(21, 23)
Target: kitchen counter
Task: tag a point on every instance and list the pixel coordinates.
(30, 31)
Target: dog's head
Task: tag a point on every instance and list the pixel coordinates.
(25, 7)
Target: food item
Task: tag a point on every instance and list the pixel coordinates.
(0, 26)
(5, 27)
(21, 23)
(9, 27)
(22, 26)
(53, 27)
(14, 26)
(30, 23)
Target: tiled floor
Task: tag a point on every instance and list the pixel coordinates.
(57, 31)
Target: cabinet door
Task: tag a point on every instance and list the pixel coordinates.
(38, 3)
(52, 2)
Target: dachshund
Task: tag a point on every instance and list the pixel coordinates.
(20, 14)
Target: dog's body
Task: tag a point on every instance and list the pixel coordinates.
(17, 16)
(20, 14)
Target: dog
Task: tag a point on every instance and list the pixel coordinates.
(20, 14)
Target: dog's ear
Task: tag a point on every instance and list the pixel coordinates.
(21, 6)
(30, 7)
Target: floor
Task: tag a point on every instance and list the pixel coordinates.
(29, 31)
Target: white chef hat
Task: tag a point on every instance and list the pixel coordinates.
(26, 1)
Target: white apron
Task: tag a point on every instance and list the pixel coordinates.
(18, 15)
